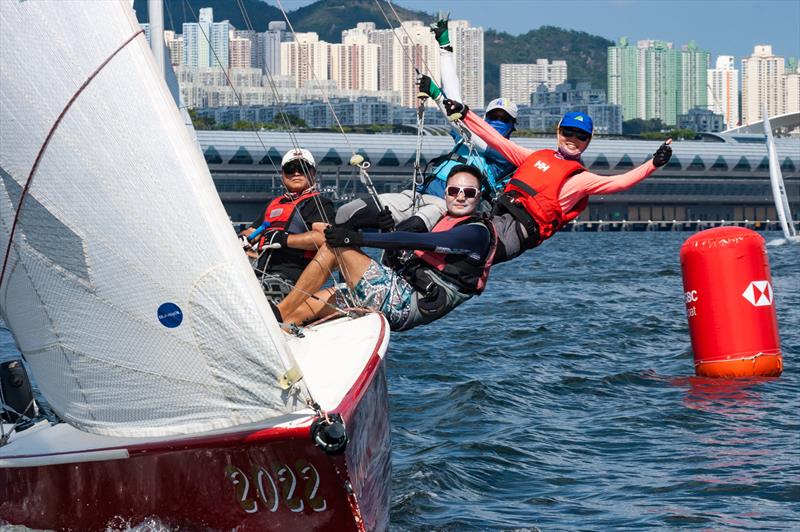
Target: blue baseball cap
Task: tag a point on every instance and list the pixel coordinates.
(577, 120)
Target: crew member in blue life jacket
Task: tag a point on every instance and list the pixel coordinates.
(450, 264)
(501, 114)
(295, 224)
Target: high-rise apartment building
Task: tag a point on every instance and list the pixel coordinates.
(468, 49)
(791, 93)
(692, 81)
(402, 52)
(219, 50)
(354, 63)
(657, 79)
(723, 90)
(762, 83)
(306, 59)
(175, 46)
(519, 81)
(196, 37)
(654, 81)
(623, 77)
(252, 36)
(268, 55)
(239, 52)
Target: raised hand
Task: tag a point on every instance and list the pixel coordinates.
(662, 154)
(455, 110)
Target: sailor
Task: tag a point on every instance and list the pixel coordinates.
(550, 187)
(448, 265)
(294, 223)
(501, 114)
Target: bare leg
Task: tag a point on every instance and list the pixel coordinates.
(318, 306)
(352, 263)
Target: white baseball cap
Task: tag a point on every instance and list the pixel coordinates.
(299, 153)
(505, 104)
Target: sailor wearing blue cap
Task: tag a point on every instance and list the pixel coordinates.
(550, 187)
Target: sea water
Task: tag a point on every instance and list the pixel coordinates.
(563, 398)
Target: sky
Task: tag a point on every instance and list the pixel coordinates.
(721, 27)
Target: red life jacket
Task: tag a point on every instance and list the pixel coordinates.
(283, 213)
(467, 273)
(536, 186)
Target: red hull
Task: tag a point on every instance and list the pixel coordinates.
(273, 479)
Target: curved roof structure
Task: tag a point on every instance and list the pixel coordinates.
(788, 120)
(743, 155)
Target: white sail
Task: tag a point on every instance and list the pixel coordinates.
(124, 288)
(778, 187)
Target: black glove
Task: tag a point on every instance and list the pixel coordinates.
(277, 237)
(662, 154)
(342, 237)
(455, 110)
(385, 220)
(442, 35)
(428, 88)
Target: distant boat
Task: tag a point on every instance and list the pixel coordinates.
(778, 187)
(127, 293)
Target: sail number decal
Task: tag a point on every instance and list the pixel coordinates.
(296, 488)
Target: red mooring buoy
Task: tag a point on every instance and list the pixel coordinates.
(730, 304)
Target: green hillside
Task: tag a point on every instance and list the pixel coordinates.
(586, 54)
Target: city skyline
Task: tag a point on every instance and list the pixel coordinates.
(730, 27)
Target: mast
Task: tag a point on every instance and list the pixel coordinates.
(778, 187)
(155, 10)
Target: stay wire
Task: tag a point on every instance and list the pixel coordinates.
(290, 130)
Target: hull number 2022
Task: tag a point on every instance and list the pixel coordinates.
(294, 488)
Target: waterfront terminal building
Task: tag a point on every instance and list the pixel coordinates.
(722, 177)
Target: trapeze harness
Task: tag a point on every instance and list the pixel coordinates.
(283, 213)
(531, 195)
(436, 180)
(444, 281)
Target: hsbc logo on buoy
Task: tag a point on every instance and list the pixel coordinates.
(758, 293)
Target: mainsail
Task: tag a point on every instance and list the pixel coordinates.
(124, 287)
(778, 187)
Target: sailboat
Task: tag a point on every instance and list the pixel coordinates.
(179, 397)
(778, 186)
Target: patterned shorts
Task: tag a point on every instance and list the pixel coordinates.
(382, 289)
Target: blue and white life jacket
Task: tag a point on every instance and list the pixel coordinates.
(435, 180)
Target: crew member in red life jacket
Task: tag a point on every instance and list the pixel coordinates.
(550, 187)
(448, 265)
(296, 219)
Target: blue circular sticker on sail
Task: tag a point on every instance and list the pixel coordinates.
(170, 315)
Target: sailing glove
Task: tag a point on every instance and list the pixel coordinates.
(455, 110)
(277, 237)
(385, 220)
(428, 88)
(442, 34)
(662, 154)
(342, 237)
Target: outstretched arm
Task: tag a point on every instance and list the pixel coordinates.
(587, 183)
(471, 239)
(512, 152)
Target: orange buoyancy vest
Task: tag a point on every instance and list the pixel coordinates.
(468, 274)
(536, 187)
(283, 213)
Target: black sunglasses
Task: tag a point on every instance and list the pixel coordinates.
(296, 166)
(568, 133)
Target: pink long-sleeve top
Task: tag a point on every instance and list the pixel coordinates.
(576, 187)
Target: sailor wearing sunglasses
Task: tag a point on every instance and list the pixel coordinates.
(287, 239)
(550, 187)
(441, 268)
